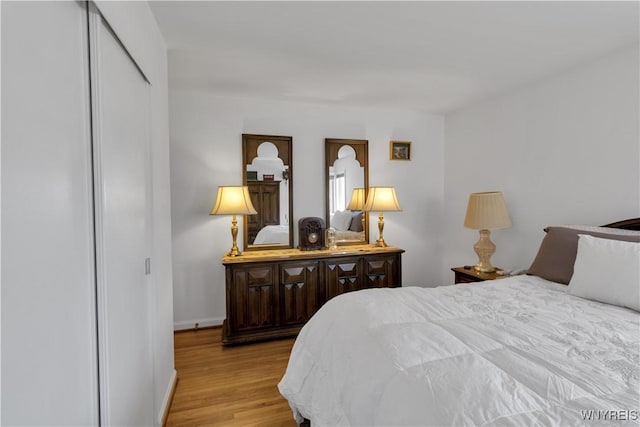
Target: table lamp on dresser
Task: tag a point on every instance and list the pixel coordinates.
(233, 200)
(381, 199)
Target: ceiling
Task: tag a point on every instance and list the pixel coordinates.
(428, 56)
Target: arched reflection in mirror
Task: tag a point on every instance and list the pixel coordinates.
(267, 173)
(346, 169)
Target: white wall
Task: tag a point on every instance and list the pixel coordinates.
(136, 27)
(563, 150)
(206, 152)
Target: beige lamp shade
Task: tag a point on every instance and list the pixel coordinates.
(233, 200)
(382, 199)
(357, 200)
(487, 211)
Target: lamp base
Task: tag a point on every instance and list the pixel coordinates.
(233, 252)
(380, 242)
(234, 235)
(484, 248)
(484, 269)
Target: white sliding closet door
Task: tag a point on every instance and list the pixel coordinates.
(120, 94)
(49, 375)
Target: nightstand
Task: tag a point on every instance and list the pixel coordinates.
(470, 275)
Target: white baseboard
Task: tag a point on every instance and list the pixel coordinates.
(168, 397)
(201, 323)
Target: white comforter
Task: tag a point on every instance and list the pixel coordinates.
(516, 351)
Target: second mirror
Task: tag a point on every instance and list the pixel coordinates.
(346, 181)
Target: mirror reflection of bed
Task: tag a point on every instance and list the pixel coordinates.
(272, 234)
(346, 171)
(267, 164)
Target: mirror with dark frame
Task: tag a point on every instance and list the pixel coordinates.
(346, 170)
(267, 166)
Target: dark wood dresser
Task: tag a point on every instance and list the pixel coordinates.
(271, 294)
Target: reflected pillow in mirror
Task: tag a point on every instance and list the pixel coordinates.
(341, 220)
(356, 221)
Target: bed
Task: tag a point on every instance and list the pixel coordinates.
(522, 350)
(272, 234)
(347, 226)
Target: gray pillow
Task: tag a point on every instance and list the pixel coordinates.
(557, 253)
(356, 221)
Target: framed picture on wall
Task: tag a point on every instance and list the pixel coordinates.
(400, 150)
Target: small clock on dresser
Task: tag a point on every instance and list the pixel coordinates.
(311, 234)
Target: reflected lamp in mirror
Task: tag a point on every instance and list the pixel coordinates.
(486, 211)
(358, 199)
(233, 200)
(381, 199)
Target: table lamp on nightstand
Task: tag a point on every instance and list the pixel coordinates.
(484, 212)
(233, 200)
(381, 199)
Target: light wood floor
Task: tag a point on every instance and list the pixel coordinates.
(228, 386)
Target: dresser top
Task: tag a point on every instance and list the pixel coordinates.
(294, 254)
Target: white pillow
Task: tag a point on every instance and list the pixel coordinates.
(606, 230)
(607, 271)
(341, 220)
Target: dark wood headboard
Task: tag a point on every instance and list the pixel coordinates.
(627, 224)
